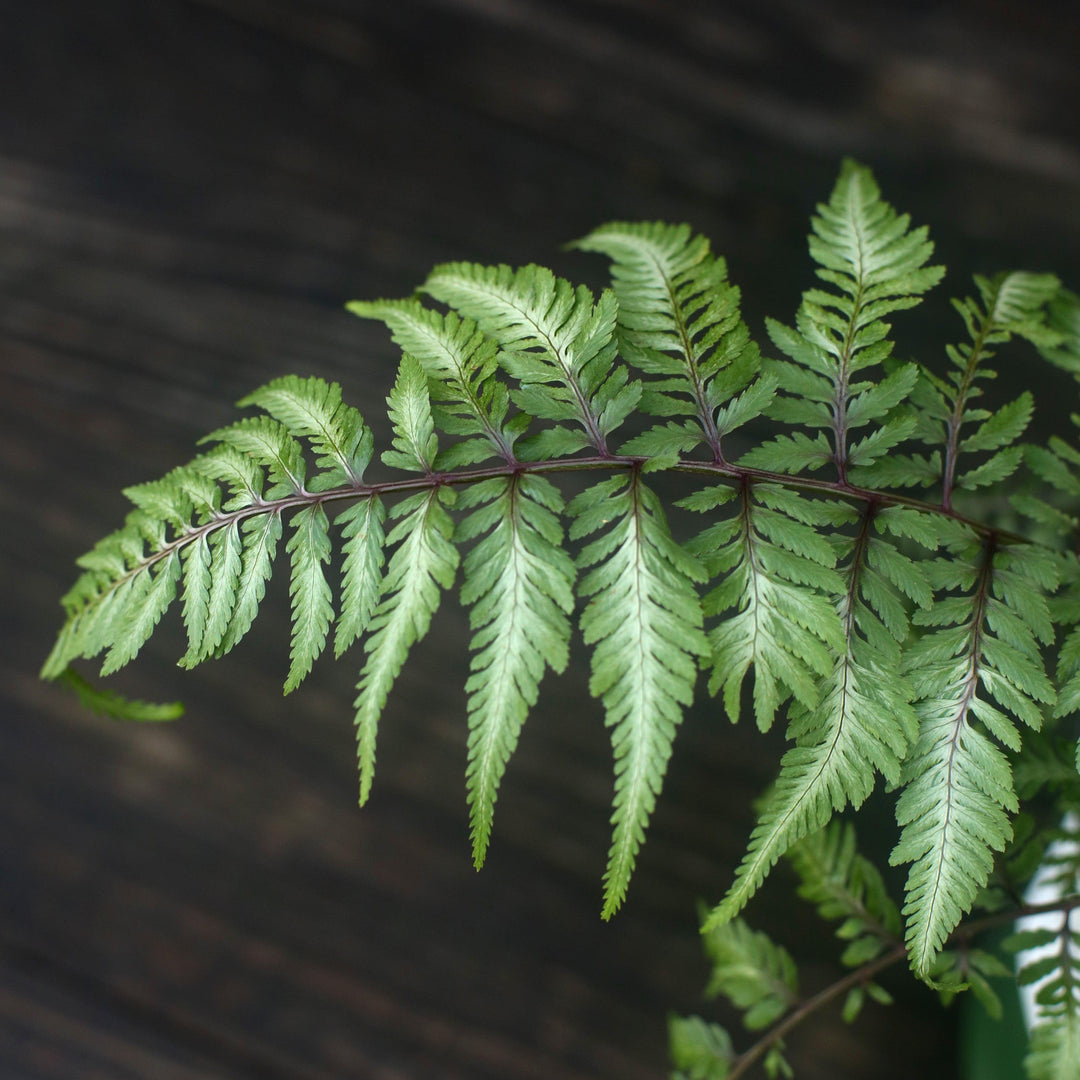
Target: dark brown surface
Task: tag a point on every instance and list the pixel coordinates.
(189, 191)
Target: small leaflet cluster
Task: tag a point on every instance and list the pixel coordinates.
(881, 561)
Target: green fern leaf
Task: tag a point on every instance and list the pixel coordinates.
(1048, 956)
(552, 335)
(958, 786)
(225, 567)
(551, 443)
(1001, 428)
(783, 627)
(269, 443)
(196, 560)
(699, 1050)
(454, 352)
(814, 583)
(643, 606)
(242, 475)
(992, 471)
(176, 497)
(789, 454)
(757, 976)
(1054, 1052)
(843, 885)
(423, 561)
(679, 317)
(415, 442)
(1010, 304)
(863, 723)
(1064, 321)
(312, 609)
(261, 536)
(141, 602)
(662, 446)
(876, 265)
(519, 583)
(313, 408)
(362, 527)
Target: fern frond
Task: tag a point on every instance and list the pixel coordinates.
(1064, 320)
(644, 619)
(1009, 304)
(136, 608)
(1047, 948)
(312, 606)
(698, 1049)
(779, 579)
(863, 723)
(876, 265)
(958, 784)
(423, 563)
(463, 361)
(1054, 1052)
(519, 582)
(261, 536)
(196, 560)
(679, 318)
(552, 336)
(362, 528)
(415, 441)
(313, 408)
(217, 564)
(215, 524)
(815, 583)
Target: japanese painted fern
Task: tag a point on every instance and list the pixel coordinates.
(873, 562)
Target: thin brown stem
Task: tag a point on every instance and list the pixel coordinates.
(868, 971)
(722, 472)
(855, 978)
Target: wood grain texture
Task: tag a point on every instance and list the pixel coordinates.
(189, 191)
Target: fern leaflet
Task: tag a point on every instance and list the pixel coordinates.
(679, 317)
(424, 562)
(644, 618)
(519, 582)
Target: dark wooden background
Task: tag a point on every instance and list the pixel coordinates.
(189, 191)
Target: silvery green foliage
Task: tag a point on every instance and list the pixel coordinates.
(880, 561)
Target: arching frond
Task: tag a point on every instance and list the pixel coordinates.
(885, 608)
